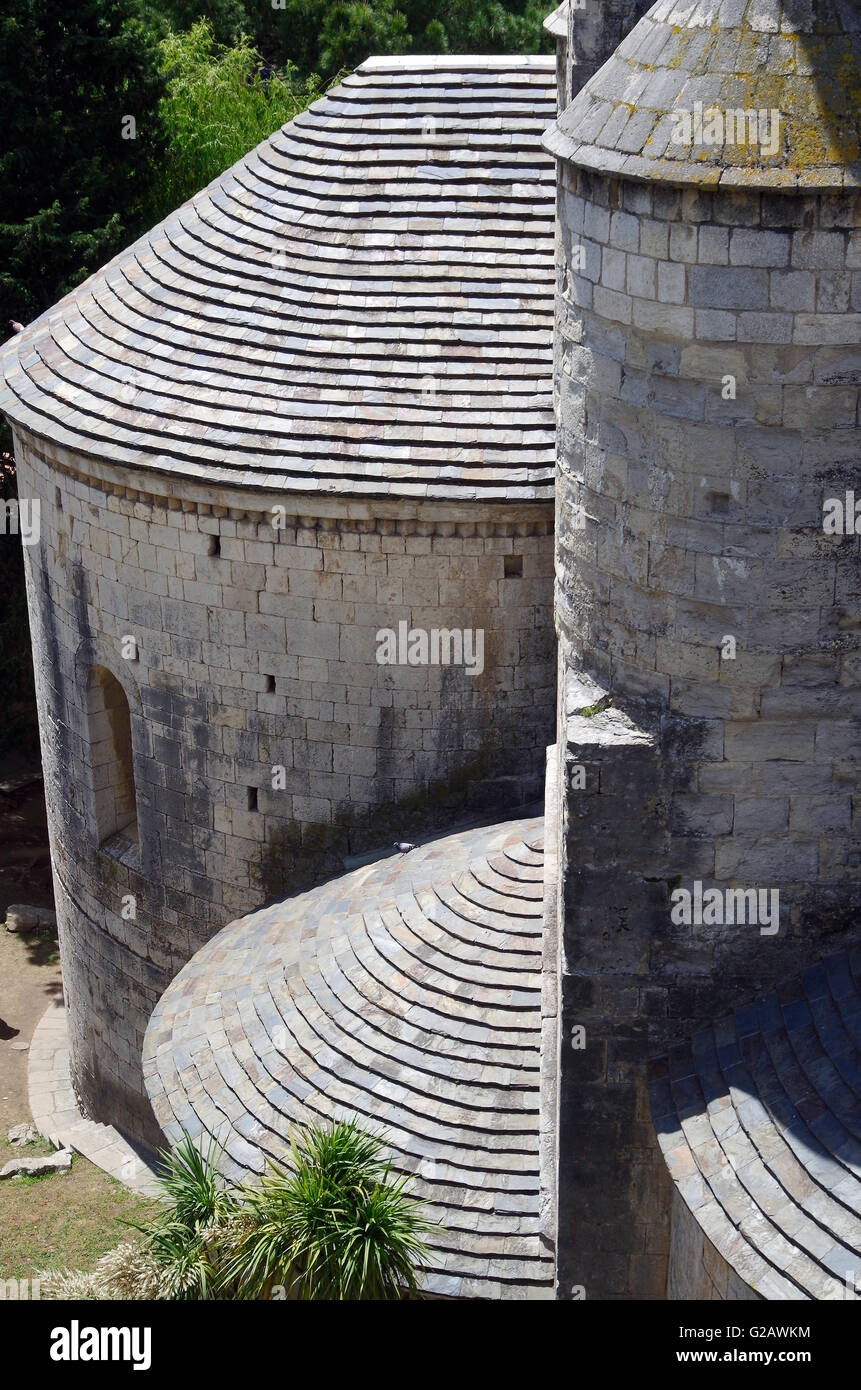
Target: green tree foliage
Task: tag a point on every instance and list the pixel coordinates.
(489, 26)
(72, 182)
(74, 190)
(324, 36)
(228, 19)
(220, 101)
(351, 30)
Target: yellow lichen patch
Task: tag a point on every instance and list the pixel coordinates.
(685, 38)
(800, 95)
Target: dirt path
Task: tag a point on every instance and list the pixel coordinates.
(67, 1219)
(29, 964)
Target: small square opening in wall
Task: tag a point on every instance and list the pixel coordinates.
(215, 545)
(512, 566)
(270, 685)
(718, 503)
(252, 798)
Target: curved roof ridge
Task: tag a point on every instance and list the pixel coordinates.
(393, 61)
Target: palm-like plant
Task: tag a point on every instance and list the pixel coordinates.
(336, 1226)
(191, 1184)
(187, 1236)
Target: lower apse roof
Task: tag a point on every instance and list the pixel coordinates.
(406, 994)
(759, 1120)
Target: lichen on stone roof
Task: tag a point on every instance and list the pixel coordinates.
(361, 305)
(697, 61)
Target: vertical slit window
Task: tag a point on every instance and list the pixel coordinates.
(111, 755)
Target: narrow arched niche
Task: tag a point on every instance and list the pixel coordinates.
(110, 729)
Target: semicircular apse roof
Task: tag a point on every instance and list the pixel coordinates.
(407, 994)
(759, 1120)
(361, 305)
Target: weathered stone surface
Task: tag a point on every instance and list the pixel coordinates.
(57, 1114)
(702, 425)
(22, 1134)
(366, 751)
(20, 917)
(587, 32)
(277, 454)
(693, 572)
(53, 1163)
(707, 386)
(622, 121)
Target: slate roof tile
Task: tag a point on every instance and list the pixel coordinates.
(342, 263)
(780, 1161)
(408, 993)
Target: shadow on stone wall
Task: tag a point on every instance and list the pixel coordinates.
(296, 857)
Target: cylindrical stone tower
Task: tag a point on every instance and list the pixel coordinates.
(708, 612)
(305, 419)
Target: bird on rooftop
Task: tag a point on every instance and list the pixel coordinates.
(16, 326)
(404, 846)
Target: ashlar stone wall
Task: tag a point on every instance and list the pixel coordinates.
(266, 739)
(709, 386)
(698, 1272)
(708, 371)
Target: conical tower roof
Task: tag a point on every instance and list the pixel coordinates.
(659, 108)
(557, 22)
(362, 305)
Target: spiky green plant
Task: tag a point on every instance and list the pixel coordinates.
(189, 1233)
(191, 1184)
(336, 1225)
(342, 1152)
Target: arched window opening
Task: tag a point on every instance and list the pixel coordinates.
(111, 754)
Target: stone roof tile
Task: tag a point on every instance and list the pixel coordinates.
(760, 1126)
(361, 302)
(802, 61)
(406, 993)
